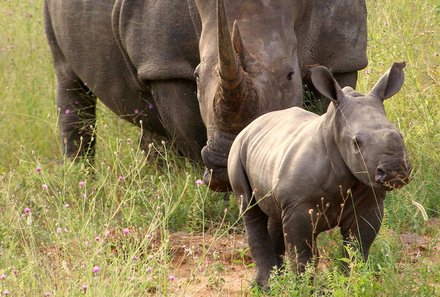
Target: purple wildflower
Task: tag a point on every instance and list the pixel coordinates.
(120, 178)
(45, 187)
(6, 292)
(38, 169)
(2, 276)
(82, 183)
(126, 231)
(27, 211)
(67, 111)
(199, 182)
(96, 269)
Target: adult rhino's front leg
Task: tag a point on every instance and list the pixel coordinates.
(361, 220)
(177, 104)
(318, 103)
(346, 79)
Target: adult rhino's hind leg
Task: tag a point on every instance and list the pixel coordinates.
(77, 118)
(177, 104)
(76, 103)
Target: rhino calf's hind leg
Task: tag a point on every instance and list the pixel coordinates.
(177, 104)
(77, 117)
(260, 242)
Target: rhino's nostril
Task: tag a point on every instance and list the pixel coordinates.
(380, 175)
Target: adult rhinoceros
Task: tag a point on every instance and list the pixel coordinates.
(147, 59)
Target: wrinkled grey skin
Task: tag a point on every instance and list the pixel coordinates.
(299, 174)
(139, 57)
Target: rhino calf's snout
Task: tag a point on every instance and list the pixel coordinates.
(393, 178)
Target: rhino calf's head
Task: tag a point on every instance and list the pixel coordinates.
(371, 146)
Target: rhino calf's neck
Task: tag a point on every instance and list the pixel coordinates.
(297, 174)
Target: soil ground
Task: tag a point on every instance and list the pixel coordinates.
(207, 265)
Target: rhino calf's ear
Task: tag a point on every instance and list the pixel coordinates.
(390, 83)
(326, 85)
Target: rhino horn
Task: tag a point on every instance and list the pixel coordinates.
(238, 43)
(229, 67)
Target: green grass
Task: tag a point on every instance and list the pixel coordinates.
(71, 227)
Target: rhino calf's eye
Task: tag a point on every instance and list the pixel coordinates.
(290, 75)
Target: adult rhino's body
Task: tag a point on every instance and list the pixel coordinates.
(298, 174)
(173, 68)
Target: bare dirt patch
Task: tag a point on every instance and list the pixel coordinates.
(208, 265)
(423, 246)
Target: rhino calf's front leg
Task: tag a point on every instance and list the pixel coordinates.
(363, 222)
(275, 229)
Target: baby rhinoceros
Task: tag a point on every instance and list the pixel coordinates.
(297, 174)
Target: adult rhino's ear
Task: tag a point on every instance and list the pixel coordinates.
(390, 83)
(326, 84)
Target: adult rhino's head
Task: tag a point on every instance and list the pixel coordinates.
(245, 74)
(370, 145)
